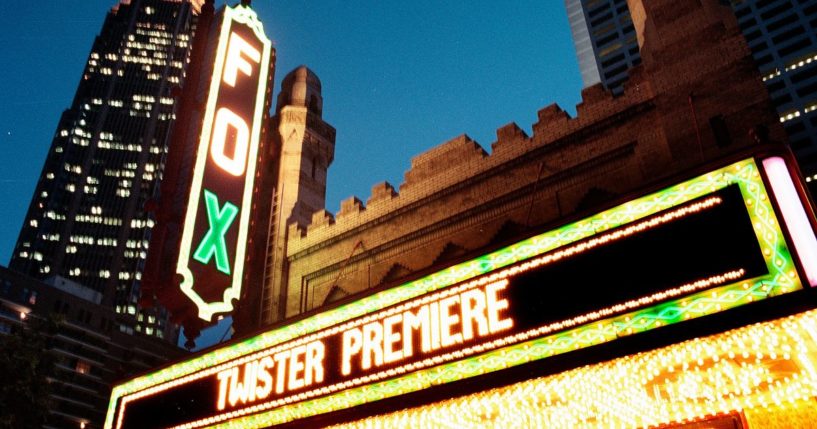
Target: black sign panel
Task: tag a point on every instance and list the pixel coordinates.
(213, 243)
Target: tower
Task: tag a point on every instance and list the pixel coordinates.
(605, 41)
(306, 147)
(782, 35)
(87, 221)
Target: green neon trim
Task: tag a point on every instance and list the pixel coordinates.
(552, 345)
(213, 244)
(782, 278)
(243, 15)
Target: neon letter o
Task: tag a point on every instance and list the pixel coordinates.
(226, 119)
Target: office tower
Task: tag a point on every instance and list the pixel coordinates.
(782, 35)
(605, 41)
(88, 351)
(87, 221)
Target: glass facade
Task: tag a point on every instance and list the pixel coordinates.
(605, 41)
(88, 220)
(782, 35)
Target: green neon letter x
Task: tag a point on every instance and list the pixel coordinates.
(213, 242)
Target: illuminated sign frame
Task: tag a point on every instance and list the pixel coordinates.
(229, 65)
(761, 372)
(707, 296)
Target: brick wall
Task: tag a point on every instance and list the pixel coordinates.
(458, 200)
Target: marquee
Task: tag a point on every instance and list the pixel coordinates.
(699, 247)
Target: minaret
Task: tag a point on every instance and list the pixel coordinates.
(306, 147)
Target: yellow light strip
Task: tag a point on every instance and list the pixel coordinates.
(755, 370)
(792, 66)
(782, 278)
(455, 355)
(502, 275)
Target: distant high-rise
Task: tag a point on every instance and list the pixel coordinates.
(782, 35)
(88, 221)
(605, 41)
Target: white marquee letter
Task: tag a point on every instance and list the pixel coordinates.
(226, 119)
(236, 62)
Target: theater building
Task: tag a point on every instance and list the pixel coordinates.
(629, 267)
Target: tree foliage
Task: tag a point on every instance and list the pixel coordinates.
(26, 364)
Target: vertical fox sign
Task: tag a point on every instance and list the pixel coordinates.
(216, 221)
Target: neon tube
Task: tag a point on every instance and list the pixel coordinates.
(794, 215)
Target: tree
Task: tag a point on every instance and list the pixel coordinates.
(26, 364)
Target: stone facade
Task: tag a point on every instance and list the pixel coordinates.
(293, 186)
(696, 97)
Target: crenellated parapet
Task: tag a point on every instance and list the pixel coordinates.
(382, 193)
(457, 199)
(458, 152)
(320, 218)
(349, 207)
(447, 164)
(509, 136)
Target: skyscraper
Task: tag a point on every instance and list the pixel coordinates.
(605, 41)
(782, 35)
(87, 221)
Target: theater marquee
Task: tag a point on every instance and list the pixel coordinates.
(214, 237)
(697, 248)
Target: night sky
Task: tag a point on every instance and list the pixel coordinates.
(398, 79)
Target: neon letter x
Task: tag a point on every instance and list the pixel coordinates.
(213, 243)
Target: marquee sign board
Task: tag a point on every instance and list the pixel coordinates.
(700, 247)
(214, 236)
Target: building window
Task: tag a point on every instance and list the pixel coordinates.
(83, 367)
(314, 167)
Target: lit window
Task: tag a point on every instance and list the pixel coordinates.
(83, 367)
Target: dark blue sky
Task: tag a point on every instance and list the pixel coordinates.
(399, 77)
